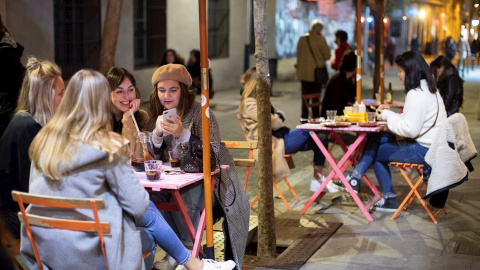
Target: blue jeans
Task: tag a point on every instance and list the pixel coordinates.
(382, 148)
(156, 229)
(299, 140)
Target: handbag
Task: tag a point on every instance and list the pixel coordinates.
(191, 160)
(321, 73)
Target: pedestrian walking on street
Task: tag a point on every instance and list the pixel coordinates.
(450, 48)
(463, 49)
(414, 44)
(312, 54)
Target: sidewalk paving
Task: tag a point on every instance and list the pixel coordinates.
(412, 240)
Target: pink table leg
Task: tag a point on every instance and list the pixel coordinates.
(197, 245)
(337, 170)
(184, 213)
(199, 235)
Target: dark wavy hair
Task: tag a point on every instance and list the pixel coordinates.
(416, 69)
(446, 63)
(115, 77)
(187, 97)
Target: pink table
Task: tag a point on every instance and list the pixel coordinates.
(351, 155)
(172, 184)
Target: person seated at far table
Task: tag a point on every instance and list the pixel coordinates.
(284, 140)
(340, 91)
(418, 124)
(170, 91)
(449, 84)
(157, 231)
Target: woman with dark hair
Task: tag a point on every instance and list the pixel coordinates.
(170, 90)
(193, 67)
(449, 83)
(125, 98)
(170, 56)
(340, 89)
(418, 124)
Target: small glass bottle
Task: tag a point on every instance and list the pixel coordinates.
(389, 94)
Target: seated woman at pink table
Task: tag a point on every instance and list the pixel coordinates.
(418, 125)
(170, 91)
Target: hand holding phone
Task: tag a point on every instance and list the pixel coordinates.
(170, 115)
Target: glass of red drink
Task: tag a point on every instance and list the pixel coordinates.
(153, 169)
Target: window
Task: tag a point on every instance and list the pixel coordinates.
(150, 33)
(218, 28)
(77, 35)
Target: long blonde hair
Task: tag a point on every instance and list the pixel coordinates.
(37, 93)
(82, 117)
(250, 87)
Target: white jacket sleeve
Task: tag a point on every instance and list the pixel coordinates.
(408, 124)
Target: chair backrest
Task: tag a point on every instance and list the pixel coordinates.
(242, 125)
(312, 100)
(251, 145)
(64, 224)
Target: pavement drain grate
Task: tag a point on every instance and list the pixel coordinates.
(295, 243)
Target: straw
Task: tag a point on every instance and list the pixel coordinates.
(134, 121)
(145, 150)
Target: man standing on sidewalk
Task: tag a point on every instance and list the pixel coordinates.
(312, 52)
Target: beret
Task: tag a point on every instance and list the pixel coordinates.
(173, 72)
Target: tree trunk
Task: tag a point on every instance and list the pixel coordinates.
(266, 214)
(378, 13)
(110, 35)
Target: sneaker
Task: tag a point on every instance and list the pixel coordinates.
(387, 205)
(213, 265)
(354, 182)
(167, 263)
(315, 185)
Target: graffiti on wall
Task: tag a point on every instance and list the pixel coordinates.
(293, 17)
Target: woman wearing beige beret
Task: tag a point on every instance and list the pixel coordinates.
(170, 90)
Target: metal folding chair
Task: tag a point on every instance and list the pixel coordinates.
(56, 223)
(414, 189)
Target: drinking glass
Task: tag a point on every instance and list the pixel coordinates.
(331, 115)
(153, 169)
(371, 117)
(174, 158)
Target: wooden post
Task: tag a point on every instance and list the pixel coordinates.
(359, 50)
(266, 213)
(110, 35)
(204, 65)
(382, 43)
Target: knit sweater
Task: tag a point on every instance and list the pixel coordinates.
(418, 115)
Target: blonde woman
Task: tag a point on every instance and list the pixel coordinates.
(284, 141)
(77, 155)
(40, 95)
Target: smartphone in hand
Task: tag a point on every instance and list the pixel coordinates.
(170, 115)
